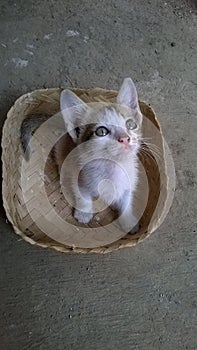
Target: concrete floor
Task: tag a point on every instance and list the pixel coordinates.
(140, 298)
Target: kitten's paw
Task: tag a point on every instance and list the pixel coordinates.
(82, 217)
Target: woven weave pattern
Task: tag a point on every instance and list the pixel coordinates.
(47, 102)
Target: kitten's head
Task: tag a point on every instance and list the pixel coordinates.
(107, 128)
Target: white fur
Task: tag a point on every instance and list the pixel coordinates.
(104, 157)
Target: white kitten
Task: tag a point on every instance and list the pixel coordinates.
(107, 142)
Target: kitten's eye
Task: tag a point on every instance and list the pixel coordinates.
(131, 125)
(101, 131)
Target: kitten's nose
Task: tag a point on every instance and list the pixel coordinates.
(124, 139)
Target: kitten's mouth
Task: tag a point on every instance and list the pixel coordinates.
(126, 147)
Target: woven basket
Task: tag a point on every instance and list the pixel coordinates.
(46, 101)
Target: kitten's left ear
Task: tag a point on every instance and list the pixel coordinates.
(128, 94)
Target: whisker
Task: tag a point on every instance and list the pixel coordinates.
(152, 147)
(145, 138)
(150, 144)
(156, 148)
(150, 151)
(154, 152)
(150, 155)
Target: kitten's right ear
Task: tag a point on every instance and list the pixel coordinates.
(69, 100)
(72, 108)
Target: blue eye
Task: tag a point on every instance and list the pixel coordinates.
(101, 131)
(131, 125)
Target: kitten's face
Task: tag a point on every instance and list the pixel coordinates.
(111, 129)
(105, 129)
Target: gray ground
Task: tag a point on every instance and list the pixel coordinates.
(141, 298)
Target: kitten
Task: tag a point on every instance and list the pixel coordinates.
(109, 134)
(107, 139)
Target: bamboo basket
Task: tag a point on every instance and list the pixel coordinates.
(46, 101)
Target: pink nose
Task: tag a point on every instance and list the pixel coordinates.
(124, 140)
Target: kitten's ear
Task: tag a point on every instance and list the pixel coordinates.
(72, 108)
(68, 100)
(128, 94)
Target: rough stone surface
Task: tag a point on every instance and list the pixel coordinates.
(140, 298)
